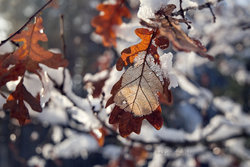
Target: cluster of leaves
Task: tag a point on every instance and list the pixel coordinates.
(136, 93)
(136, 96)
(26, 59)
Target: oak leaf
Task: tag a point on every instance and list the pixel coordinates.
(128, 55)
(3, 70)
(136, 94)
(27, 58)
(111, 14)
(15, 103)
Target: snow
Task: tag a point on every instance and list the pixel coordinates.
(5, 48)
(215, 160)
(89, 120)
(150, 134)
(57, 134)
(75, 145)
(237, 147)
(148, 8)
(111, 151)
(97, 77)
(187, 86)
(46, 87)
(47, 151)
(55, 74)
(158, 159)
(166, 66)
(127, 31)
(36, 161)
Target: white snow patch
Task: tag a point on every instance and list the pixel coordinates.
(166, 66)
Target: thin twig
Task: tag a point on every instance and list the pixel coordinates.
(182, 15)
(246, 27)
(200, 7)
(3, 95)
(62, 35)
(208, 5)
(31, 18)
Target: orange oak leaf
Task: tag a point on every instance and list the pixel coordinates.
(136, 94)
(27, 58)
(128, 55)
(15, 103)
(111, 14)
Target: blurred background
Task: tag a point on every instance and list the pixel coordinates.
(206, 89)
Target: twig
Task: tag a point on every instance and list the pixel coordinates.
(200, 7)
(62, 35)
(31, 18)
(246, 27)
(3, 95)
(208, 5)
(182, 14)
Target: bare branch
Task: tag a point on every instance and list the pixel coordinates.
(200, 7)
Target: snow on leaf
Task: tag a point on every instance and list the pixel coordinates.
(104, 23)
(135, 96)
(171, 29)
(136, 93)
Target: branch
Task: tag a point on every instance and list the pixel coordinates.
(62, 35)
(3, 95)
(31, 18)
(246, 27)
(200, 7)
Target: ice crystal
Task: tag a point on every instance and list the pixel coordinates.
(139, 59)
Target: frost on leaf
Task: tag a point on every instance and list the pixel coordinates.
(136, 94)
(111, 14)
(27, 58)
